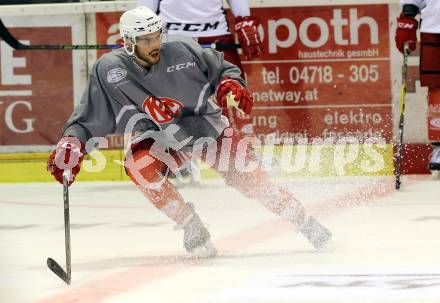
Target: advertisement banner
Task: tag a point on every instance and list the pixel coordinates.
(36, 87)
(107, 29)
(107, 32)
(325, 72)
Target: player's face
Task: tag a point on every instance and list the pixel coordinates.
(148, 47)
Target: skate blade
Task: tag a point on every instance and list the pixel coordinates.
(435, 174)
(205, 251)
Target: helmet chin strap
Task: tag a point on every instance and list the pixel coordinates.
(141, 60)
(131, 51)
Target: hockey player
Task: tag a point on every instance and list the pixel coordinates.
(429, 60)
(206, 22)
(160, 90)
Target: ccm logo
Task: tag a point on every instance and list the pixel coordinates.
(176, 67)
(405, 25)
(192, 27)
(435, 123)
(246, 23)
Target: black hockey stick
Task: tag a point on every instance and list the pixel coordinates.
(15, 44)
(51, 263)
(402, 115)
(221, 46)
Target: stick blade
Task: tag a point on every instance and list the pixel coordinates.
(58, 270)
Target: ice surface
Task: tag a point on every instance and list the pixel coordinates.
(385, 249)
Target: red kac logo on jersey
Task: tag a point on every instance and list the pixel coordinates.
(163, 110)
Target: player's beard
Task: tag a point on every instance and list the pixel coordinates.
(150, 57)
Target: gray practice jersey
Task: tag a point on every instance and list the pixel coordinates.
(118, 97)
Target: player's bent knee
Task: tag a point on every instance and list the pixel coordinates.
(142, 168)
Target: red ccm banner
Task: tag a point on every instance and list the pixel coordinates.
(325, 72)
(36, 88)
(107, 30)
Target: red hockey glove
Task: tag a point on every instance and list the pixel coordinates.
(406, 32)
(246, 29)
(68, 154)
(241, 96)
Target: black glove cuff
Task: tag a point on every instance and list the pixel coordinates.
(410, 10)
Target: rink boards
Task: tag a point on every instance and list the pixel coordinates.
(329, 69)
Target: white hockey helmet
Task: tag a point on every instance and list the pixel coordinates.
(138, 22)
